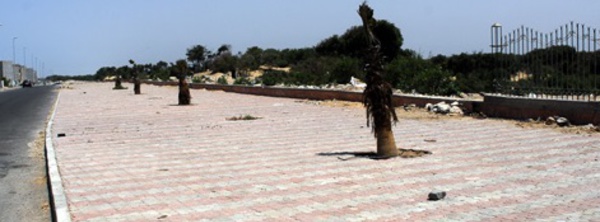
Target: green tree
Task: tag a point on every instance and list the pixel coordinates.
(354, 42)
(197, 55)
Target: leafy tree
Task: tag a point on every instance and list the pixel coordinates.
(294, 56)
(105, 72)
(354, 42)
(270, 57)
(160, 70)
(224, 61)
(345, 68)
(423, 76)
(197, 55)
(250, 60)
(225, 48)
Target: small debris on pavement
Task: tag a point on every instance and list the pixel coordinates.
(436, 195)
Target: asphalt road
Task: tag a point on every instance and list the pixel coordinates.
(23, 186)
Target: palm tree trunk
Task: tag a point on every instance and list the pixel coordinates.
(137, 86)
(386, 143)
(184, 92)
(378, 93)
(118, 84)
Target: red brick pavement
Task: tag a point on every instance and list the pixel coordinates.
(132, 157)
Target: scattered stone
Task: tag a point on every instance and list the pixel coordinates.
(428, 107)
(562, 121)
(436, 195)
(357, 82)
(408, 107)
(591, 127)
(456, 110)
(441, 107)
(550, 121)
(445, 108)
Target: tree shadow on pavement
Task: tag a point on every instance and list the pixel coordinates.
(404, 153)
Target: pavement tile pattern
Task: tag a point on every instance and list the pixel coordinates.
(128, 157)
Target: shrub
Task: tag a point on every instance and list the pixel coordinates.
(242, 81)
(222, 80)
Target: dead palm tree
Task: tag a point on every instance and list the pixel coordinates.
(378, 93)
(136, 80)
(181, 70)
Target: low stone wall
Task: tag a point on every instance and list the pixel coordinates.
(578, 112)
(493, 106)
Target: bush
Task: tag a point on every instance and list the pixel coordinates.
(242, 81)
(422, 76)
(197, 79)
(273, 77)
(222, 80)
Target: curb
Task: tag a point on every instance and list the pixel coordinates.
(58, 199)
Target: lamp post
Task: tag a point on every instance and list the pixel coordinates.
(14, 55)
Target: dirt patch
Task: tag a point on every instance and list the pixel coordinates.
(332, 103)
(242, 118)
(36, 148)
(534, 124)
(411, 153)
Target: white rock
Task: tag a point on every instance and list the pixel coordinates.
(550, 121)
(457, 110)
(357, 83)
(441, 107)
(429, 107)
(562, 121)
(455, 103)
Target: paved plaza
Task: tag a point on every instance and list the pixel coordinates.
(126, 157)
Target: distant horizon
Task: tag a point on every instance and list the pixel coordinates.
(78, 37)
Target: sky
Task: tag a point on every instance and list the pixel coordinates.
(77, 37)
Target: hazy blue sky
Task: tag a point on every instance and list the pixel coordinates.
(75, 37)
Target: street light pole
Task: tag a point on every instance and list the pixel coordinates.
(14, 55)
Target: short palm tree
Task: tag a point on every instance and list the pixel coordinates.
(136, 80)
(378, 93)
(181, 70)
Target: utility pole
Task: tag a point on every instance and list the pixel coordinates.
(14, 55)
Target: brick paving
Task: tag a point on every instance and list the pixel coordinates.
(132, 157)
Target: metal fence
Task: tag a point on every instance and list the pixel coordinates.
(562, 64)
